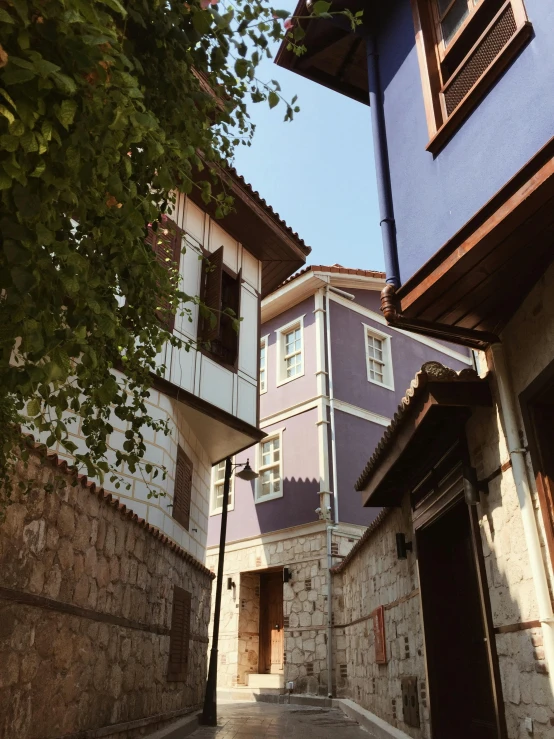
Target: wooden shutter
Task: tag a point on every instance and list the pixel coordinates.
(166, 244)
(179, 635)
(183, 489)
(213, 270)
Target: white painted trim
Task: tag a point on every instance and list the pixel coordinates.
(340, 405)
(294, 410)
(353, 410)
(416, 337)
(316, 527)
(388, 369)
(257, 497)
(266, 340)
(281, 379)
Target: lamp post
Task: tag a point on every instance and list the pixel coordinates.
(209, 713)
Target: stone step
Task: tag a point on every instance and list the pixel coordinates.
(262, 681)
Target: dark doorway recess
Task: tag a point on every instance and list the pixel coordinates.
(271, 622)
(463, 696)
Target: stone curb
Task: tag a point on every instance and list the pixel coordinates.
(178, 729)
(374, 725)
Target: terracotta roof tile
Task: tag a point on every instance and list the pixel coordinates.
(267, 207)
(108, 499)
(336, 269)
(430, 371)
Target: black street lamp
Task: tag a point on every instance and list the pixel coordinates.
(209, 714)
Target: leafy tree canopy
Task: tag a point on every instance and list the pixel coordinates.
(105, 107)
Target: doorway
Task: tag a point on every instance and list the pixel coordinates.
(458, 655)
(271, 623)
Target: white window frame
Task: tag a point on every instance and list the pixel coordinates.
(264, 340)
(281, 332)
(258, 498)
(215, 510)
(388, 372)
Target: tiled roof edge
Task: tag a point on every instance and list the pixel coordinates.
(430, 371)
(368, 533)
(334, 269)
(107, 498)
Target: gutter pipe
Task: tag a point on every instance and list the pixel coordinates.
(331, 406)
(523, 488)
(382, 165)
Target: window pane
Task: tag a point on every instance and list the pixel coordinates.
(276, 442)
(454, 19)
(277, 485)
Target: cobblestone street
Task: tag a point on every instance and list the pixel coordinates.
(268, 721)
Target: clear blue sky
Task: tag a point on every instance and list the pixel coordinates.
(317, 172)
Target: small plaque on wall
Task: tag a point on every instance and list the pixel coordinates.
(378, 616)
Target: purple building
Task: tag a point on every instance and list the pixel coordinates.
(332, 374)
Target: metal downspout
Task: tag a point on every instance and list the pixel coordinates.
(382, 167)
(523, 488)
(335, 515)
(329, 613)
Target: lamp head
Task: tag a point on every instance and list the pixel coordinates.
(247, 473)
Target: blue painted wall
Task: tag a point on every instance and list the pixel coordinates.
(434, 197)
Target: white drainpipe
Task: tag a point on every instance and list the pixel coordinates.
(331, 405)
(521, 479)
(330, 613)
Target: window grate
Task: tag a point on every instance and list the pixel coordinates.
(309, 669)
(343, 670)
(308, 584)
(484, 54)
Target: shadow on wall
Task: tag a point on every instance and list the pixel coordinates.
(298, 505)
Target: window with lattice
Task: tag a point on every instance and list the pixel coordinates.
(378, 357)
(290, 351)
(218, 477)
(463, 46)
(220, 292)
(179, 635)
(270, 469)
(165, 239)
(182, 491)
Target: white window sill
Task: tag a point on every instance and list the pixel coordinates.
(289, 379)
(268, 497)
(381, 384)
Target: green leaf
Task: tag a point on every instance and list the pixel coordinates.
(22, 279)
(66, 112)
(283, 14)
(241, 68)
(115, 5)
(273, 99)
(33, 407)
(5, 17)
(7, 114)
(202, 22)
(5, 181)
(18, 76)
(320, 6)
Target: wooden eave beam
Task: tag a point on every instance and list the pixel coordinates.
(457, 397)
(523, 195)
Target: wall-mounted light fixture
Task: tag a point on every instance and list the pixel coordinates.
(403, 546)
(473, 486)
(230, 583)
(287, 574)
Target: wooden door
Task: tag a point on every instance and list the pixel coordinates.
(271, 622)
(460, 683)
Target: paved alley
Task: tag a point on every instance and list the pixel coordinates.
(269, 721)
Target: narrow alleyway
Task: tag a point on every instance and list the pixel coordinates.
(268, 721)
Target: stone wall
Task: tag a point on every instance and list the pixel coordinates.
(303, 549)
(85, 611)
(373, 577)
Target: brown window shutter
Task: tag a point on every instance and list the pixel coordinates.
(182, 492)
(166, 244)
(179, 635)
(213, 270)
